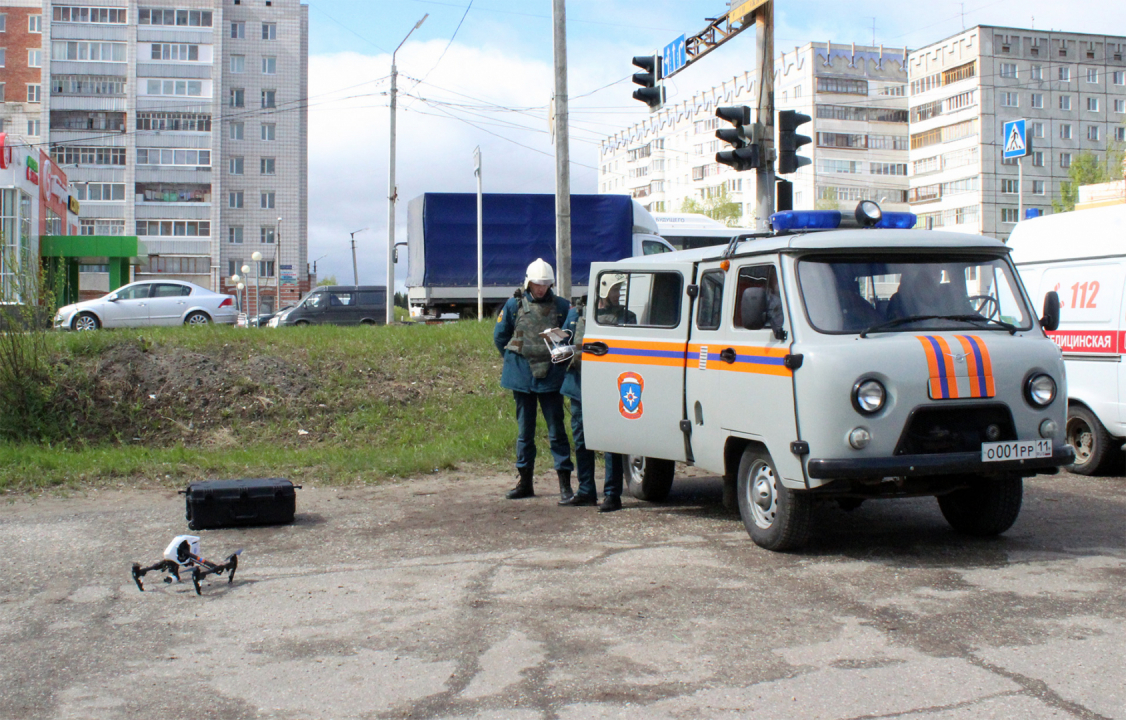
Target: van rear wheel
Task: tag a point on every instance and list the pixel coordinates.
(1090, 440)
(649, 479)
(988, 507)
(776, 517)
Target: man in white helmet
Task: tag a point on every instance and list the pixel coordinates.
(531, 376)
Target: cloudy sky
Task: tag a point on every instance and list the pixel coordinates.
(480, 74)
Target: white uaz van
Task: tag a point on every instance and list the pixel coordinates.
(824, 364)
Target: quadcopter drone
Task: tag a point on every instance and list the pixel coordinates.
(183, 552)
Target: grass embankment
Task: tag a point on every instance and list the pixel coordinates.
(317, 404)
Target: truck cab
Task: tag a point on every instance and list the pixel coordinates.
(827, 364)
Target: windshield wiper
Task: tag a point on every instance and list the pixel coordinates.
(880, 327)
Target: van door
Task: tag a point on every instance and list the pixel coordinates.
(633, 358)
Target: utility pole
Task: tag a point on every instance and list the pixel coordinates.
(277, 268)
(480, 236)
(355, 271)
(562, 155)
(764, 174)
(392, 191)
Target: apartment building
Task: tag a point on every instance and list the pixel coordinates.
(183, 122)
(21, 63)
(1069, 87)
(855, 96)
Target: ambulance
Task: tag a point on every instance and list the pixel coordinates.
(1082, 256)
(827, 364)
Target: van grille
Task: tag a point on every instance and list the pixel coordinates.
(954, 428)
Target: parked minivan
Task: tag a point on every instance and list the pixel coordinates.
(337, 305)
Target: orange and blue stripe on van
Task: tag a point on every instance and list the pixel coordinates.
(637, 352)
(962, 371)
(749, 359)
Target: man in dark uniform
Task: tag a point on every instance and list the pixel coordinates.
(529, 373)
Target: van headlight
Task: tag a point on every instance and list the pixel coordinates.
(1040, 390)
(868, 396)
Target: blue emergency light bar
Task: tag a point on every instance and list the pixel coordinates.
(805, 220)
(897, 221)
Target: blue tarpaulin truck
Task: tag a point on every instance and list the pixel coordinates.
(518, 228)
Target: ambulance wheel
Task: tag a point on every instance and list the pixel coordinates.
(649, 479)
(989, 507)
(1090, 440)
(776, 517)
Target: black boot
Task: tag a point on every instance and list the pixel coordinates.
(610, 503)
(523, 487)
(565, 493)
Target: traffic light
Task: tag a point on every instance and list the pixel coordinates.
(652, 92)
(745, 152)
(789, 141)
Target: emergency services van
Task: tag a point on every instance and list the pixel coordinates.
(828, 364)
(1082, 256)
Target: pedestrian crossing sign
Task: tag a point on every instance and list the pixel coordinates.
(1014, 140)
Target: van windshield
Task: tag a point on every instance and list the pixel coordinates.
(908, 293)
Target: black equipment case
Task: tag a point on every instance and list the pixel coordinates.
(236, 503)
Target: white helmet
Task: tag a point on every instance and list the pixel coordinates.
(540, 273)
(608, 282)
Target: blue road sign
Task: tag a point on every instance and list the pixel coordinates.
(1014, 140)
(674, 57)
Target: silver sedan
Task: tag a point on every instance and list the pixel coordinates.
(145, 303)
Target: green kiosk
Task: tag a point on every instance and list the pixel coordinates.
(62, 255)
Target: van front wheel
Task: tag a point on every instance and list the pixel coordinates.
(776, 517)
(649, 479)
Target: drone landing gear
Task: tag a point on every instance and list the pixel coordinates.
(183, 552)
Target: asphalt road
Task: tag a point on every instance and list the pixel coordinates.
(437, 598)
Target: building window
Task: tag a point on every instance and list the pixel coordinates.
(174, 51)
(1038, 129)
(1010, 99)
(183, 88)
(1065, 102)
(266, 269)
(88, 51)
(267, 166)
(1036, 72)
(1065, 131)
(1093, 132)
(1065, 160)
(266, 234)
(238, 97)
(1120, 134)
(172, 156)
(90, 15)
(3, 56)
(3, 22)
(174, 228)
(71, 155)
(34, 58)
(236, 165)
(1037, 100)
(1009, 215)
(267, 200)
(1120, 106)
(839, 85)
(180, 18)
(87, 85)
(100, 226)
(237, 130)
(238, 63)
(1010, 187)
(234, 265)
(1038, 158)
(190, 122)
(33, 92)
(269, 66)
(1065, 74)
(234, 235)
(1008, 70)
(1038, 187)
(238, 31)
(234, 199)
(269, 31)
(1119, 77)
(99, 191)
(269, 98)
(1092, 104)
(33, 128)
(269, 131)
(1092, 75)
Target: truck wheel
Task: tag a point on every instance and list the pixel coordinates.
(776, 517)
(649, 479)
(1090, 440)
(989, 507)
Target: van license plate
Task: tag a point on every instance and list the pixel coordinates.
(1016, 450)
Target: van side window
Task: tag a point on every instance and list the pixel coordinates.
(650, 299)
(339, 299)
(370, 299)
(762, 276)
(316, 301)
(709, 312)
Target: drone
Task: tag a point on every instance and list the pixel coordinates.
(183, 552)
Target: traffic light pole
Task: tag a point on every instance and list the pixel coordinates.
(562, 156)
(764, 174)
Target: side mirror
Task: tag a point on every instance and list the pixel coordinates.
(113, 298)
(1050, 320)
(753, 308)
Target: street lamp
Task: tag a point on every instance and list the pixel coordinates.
(238, 298)
(277, 267)
(257, 258)
(355, 273)
(392, 192)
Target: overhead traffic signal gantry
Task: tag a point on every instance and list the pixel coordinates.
(652, 91)
(789, 141)
(746, 152)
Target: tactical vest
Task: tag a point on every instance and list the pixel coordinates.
(532, 318)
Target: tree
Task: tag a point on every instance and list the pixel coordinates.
(1088, 168)
(718, 207)
(400, 300)
(327, 280)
